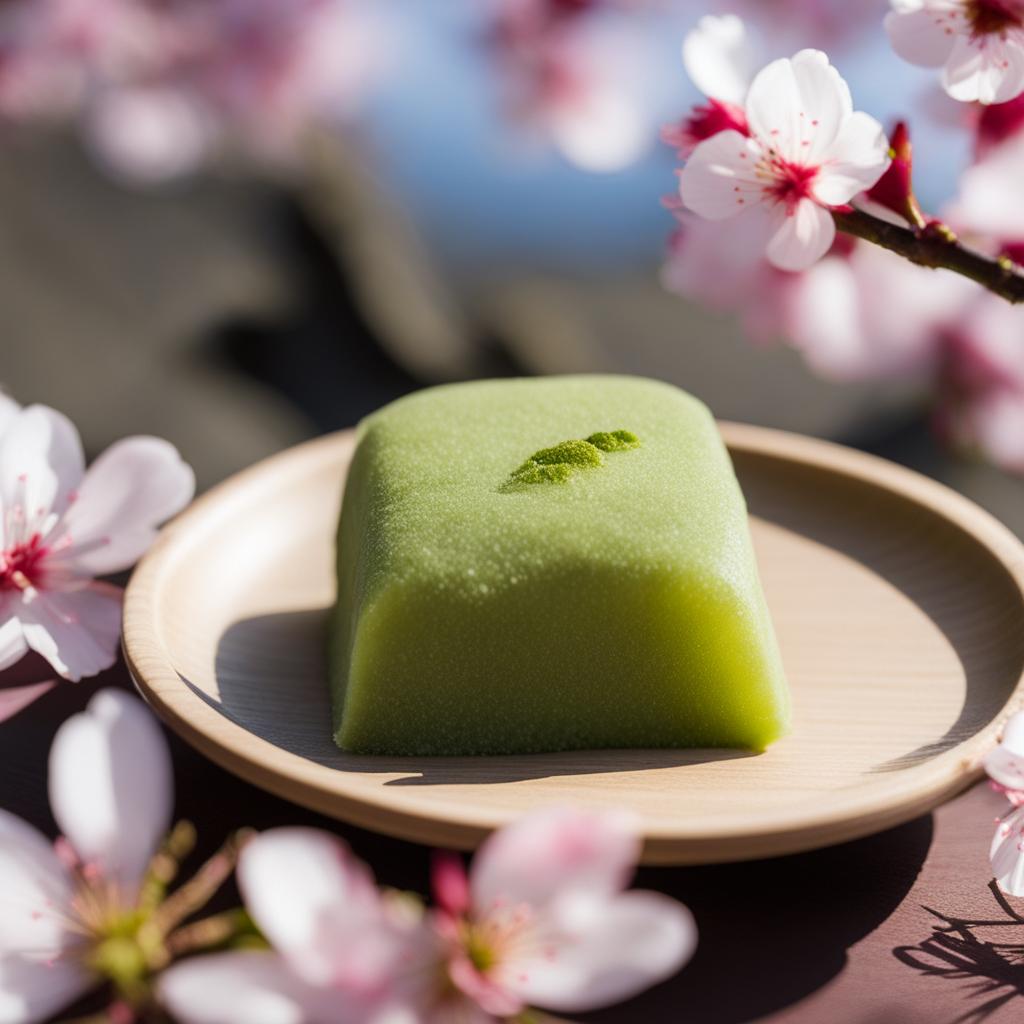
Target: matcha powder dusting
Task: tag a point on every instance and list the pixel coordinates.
(559, 463)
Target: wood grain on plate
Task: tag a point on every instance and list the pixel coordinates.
(899, 607)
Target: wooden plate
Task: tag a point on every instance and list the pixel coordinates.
(899, 607)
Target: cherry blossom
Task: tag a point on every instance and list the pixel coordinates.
(343, 950)
(1005, 766)
(990, 203)
(573, 72)
(69, 912)
(721, 264)
(62, 525)
(159, 84)
(864, 313)
(979, 44)
(808, 152)
(822, 23)
(982, 381)
(997, 123)
(721, 59)
(542, 919)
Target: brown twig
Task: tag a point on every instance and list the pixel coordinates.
(937, 247)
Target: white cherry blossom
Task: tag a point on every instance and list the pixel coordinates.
(721, 57)
(868, 314)
(62, 525)
(808, 152)
(982, 407)
(991, 196)
(979, 44)
(542, 919)
(111, 794)
(1005, 766)
(343, 952)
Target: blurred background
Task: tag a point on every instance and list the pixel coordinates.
(240, 223)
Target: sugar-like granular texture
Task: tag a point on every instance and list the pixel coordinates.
(549, 564)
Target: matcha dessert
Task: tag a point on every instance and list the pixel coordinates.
(549, 564)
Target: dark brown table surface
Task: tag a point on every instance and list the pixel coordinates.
(898, 928)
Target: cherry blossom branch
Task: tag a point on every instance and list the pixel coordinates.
(935, 245)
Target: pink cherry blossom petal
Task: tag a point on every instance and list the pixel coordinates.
(450, 883)
(134, 486)
(254, 987)
(991, 199)
(9, 408)
(721, 58)
(1006, 767)
(553, 852)
(997, 423)
(485, 990)
(41, 465)
(722, 264)
(1013, 734)
(32, 990)
(856, 160)
(76, 631)
(1005, 764)
(870, 314)
(111, 787)
(803, 237)
(12, 640)
(807, 150)
(149, 135)
(611, 950)
(919, 34)
(798, 106)
(601, 131)
(16, 698)
(318, 906)
(980, 50)
(720, 179)
(990, 74)
(1007, 853)
(34, 885)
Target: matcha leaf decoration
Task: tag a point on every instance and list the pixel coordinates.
(616, 441)
(558, 464)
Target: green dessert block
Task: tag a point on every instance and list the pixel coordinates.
(552, 564)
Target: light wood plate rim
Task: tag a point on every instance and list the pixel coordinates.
(398, 813)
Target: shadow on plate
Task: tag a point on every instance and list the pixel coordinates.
(272, 679)
(969, 595)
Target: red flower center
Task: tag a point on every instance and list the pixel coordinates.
(993, 17)
(21, 566)
(717, 116)
(790, 182)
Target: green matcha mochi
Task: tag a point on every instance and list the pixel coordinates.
(552, 564)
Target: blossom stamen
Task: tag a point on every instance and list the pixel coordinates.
(992, 17)
(21, 565)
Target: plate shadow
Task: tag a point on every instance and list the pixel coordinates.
(283, 698)
(979, 615)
